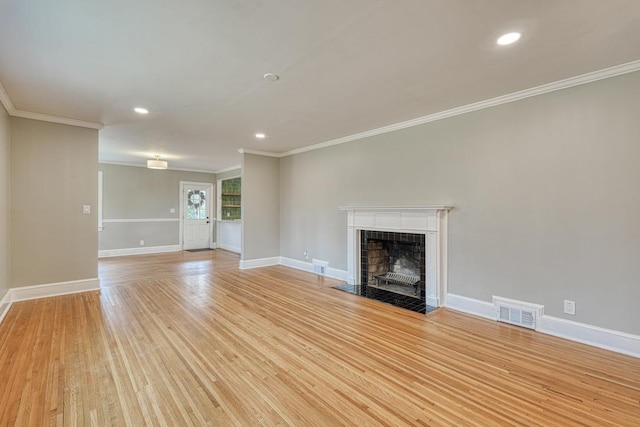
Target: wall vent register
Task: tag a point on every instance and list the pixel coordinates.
(517, 312)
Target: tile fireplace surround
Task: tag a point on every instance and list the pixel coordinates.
(430, 220)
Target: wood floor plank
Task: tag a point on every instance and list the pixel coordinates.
(189, 339)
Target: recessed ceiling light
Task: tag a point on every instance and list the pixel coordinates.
(141, 110)
(508, 38)
(261, 135)
(271, 77)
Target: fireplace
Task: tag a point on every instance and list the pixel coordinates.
(399, 253)
(393, 262)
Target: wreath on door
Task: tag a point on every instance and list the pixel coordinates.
(195, 198)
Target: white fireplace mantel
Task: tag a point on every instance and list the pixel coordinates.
(430, 220)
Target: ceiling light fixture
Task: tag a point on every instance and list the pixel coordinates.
(261, 135)
(157, 163)
(271, 77)
(141, 110)
(508, 38)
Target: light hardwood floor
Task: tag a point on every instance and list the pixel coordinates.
(188, 339)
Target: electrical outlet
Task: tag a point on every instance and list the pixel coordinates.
(172, 210)
(306, 254)
(570, 307)
(141, 242)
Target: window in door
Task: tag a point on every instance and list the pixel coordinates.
(196, 204)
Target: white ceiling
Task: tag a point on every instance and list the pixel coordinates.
(346, 66)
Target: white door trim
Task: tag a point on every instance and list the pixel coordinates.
(212, 218)
(219, 210)
(219, 194)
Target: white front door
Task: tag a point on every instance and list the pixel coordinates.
(197, 213)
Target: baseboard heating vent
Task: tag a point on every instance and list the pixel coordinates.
(517, 312)
(320, 267)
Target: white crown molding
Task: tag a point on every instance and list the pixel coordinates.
(55, 119)
(229, 169)
(260, 153)
(6, 101)
(143, 165)
(504, 99)
(488, 103)
(8, 105)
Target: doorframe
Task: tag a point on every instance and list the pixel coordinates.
(212, 210)
(219, 210)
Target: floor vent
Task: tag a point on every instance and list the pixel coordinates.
(320, 267)
(517, 312)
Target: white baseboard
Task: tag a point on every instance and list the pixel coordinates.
(260, 262)
(334, 273)
(25, 293)
(138, 251)
(5, 304)
(433, 301)
(608, 339)
(471, 306)
(229, 248)
(54, 289)
(297, 264)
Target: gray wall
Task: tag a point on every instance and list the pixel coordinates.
(131, 192)
(260, 207)
(5, 202)
(54, 172)
(545, 194)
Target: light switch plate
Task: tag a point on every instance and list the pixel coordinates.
(86, 209)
